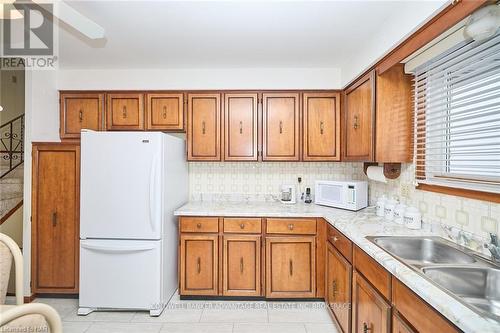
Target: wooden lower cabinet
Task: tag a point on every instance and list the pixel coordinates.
(241, 266)
(290, 267)
(338, 287)
(55, 218)
(198, 265)
(399, 325)
(370, 312)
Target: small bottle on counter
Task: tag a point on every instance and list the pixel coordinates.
(381, 205)
(308, 198)
(413, 218)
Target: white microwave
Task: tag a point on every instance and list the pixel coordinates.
(349, 194)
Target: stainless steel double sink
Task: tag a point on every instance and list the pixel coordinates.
(464, 274)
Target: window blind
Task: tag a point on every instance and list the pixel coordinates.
(457, 117)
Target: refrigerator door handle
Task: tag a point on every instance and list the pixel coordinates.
(154, 188)
(117, 248)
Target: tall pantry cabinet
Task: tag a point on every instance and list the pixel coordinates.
(55, 217)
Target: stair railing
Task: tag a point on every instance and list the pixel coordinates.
(12, 144)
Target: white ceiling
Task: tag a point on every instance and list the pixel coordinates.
(240, 34)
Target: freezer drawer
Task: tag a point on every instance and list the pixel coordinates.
(120, 274)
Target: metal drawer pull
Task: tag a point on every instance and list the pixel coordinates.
(291, 267)
(241, 265)
(54, 219)
(334, 288)
(198, 226)
(321, 127)
(366, 328)
(80, 115)
(203, 127)
(164, 112)
(241, 127)
(242, 226)
(124, 112)
(198, 265)
(281, 127)
(356, 125)
(290, 226)
(335, 238)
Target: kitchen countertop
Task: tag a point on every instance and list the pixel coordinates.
(356, 226)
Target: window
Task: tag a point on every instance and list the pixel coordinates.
(457, 118)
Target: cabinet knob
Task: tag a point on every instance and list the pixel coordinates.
(164, 112)
(281, 127)
(290, 226)
(124, 112)
(54, 219)
(242, 226)
(356, 124)
(321, 127)
(366, 328)
(198, 226)
(335, 238)
(203, 127)
(80, 115)
(241, 127)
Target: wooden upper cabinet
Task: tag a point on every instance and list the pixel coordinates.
(338, 287)
(55, 218)
(204, 121)
(80, 111)
(290, 267)
(359, 117)
(241, 266)
(321, 127)
(240, 130)
(281, 126)
(199, 265)
(165, 112)
(125, 111)
(394, 142)
(370, 311)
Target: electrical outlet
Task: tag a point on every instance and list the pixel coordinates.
(404, 189)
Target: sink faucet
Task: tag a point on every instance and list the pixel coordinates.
(463, 238)
(493, 247)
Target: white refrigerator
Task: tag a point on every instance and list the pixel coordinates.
(130, 185)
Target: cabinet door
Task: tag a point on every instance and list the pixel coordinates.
(125, 111)
(338, 288)
(370, 311)
(80, 111)
(241, 266)
(198, 265)
(394, 132)
(240, 118)
(359, 116)
(55, 223)
(280, 126)
(399, 325)
(321, 127)
(165, 112)
(290, 267)
(203, 136)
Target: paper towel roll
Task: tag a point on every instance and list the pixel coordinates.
(376, 173)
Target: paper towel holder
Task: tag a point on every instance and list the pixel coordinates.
(391, 170)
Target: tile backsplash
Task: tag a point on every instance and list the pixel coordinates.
(254, 181)
(257, 181)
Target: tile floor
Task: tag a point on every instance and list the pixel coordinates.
(201, 317)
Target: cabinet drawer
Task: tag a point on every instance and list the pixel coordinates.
(199, 224)
(418, 313)
(373, 272)
(242, 225)
(340, 242)
(291, 226)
